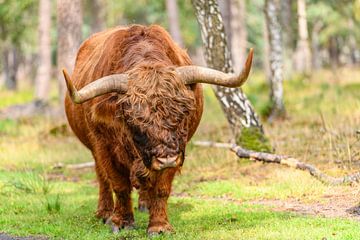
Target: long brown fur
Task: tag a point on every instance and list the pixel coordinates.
(156, 117)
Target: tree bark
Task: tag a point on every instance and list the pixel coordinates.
(69, 23)
(238, 110)
(44, 71)
(276, 60)
(303, 54)
(97, 20)
(173, 19)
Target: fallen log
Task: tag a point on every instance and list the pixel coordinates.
(75, 166)
(283, 160)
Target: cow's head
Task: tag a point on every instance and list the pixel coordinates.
(154, 103)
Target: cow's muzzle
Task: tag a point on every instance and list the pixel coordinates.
(168, 162)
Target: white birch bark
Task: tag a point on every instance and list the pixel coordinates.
(237, 108)
(276, 59)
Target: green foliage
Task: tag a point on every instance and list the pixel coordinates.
(17, 21)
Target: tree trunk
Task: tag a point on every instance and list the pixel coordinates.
(173, 18)
(302, 55)
(334, 52)
(240, 114)
(11, 65)
(97, 20)
(233, 13)
(69, 23)
(266, 60)
(276, 60)
(286, 17)
(239, 33)
(44, 71)
(315, 45)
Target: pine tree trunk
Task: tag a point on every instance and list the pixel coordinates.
(69, 24)
(97, 21)
(44, 71)
(173, 19)
(243, 121)
(276, 60)
(302, 62)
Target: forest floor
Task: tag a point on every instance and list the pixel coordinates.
(217, 195)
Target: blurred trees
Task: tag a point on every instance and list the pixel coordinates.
(302, 58)
(173, 19)
(69, 38)
(333, 32)
(43, 76)
(97, 12)
(233, 13)
(16, 25)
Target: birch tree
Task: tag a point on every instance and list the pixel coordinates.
(44, 71)
(276, 59)
(239, 112)
(69, 23)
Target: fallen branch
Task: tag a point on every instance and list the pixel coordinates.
(75, 166)
(283, 160)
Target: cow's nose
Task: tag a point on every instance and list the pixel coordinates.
(168, 162)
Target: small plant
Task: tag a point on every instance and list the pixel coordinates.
(53, 204)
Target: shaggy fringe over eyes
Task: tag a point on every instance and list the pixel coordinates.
(157, 97)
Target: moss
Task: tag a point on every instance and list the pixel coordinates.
(253, 139)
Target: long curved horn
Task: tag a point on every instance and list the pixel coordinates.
(107, 84)
(196, 74)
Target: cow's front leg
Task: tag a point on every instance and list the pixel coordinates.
(123, 216)
(158, 196)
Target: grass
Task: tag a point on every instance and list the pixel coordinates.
(213, 197)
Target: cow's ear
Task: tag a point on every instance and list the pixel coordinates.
(104, 111)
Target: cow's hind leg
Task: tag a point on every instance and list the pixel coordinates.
(143, 202)
(105, 202)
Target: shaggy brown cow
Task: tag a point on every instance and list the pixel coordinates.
(141, 103)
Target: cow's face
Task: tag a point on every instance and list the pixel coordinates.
(155, 109)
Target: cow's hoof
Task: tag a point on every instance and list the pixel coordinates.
(104, 215)
(115, 228)
(155, 230)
